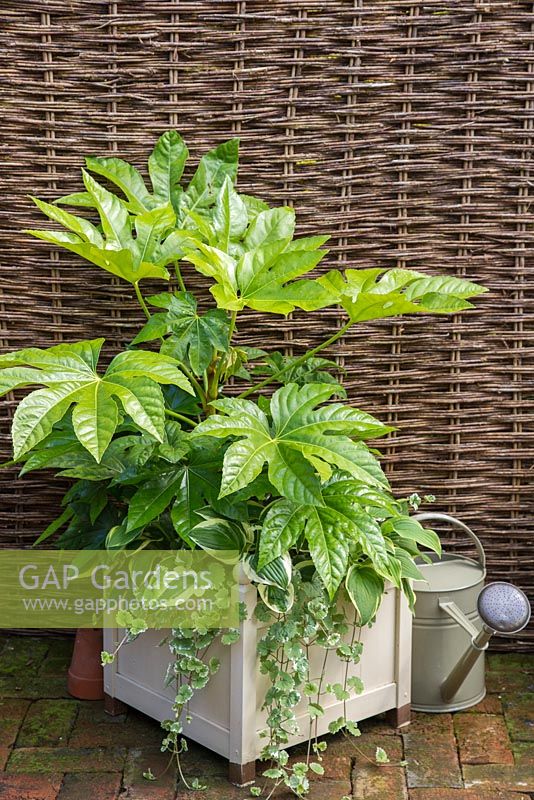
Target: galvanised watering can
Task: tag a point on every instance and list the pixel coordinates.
(455, 617)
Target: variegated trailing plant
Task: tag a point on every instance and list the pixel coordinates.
(162, 456)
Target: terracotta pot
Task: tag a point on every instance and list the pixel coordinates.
(86, 675)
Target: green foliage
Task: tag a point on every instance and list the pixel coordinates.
(365, 588)
(284, 657)
(260, 269)
(161, 455)
(368, 294)
(195, 338)
(298, 442)
(69, 373)
(129, 253)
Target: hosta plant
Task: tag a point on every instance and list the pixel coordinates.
(173, 444)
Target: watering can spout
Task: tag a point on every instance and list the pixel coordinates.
(504, 609)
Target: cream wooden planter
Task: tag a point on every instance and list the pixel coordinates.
(227, 714)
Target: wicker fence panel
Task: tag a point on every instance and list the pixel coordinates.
(403, 128)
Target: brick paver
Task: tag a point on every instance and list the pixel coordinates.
(12, 713)
(65, 759)
(48, 722)
(519, 715)
(466, 794)
(29, 787)
(55, 748)
(137, 787)
(483, 739)
(97, 786)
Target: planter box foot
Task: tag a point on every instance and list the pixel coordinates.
(242, 774)
(399, 717)
(114, 707)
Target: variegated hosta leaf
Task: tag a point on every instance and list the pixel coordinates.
(367, 294)
(411, 529)
(69, 371)
(298, 435)
(365, 589)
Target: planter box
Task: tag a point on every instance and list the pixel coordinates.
(227, 714)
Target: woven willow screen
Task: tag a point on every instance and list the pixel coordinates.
(403, 129)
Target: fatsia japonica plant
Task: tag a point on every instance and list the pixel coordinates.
(173, 445)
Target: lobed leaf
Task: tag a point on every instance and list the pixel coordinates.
(69, 372)
(124, 176)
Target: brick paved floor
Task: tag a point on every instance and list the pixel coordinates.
(53, 747)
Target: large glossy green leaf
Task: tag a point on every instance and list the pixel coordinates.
(194, 337)
(339, 527)
(230, 217)
(95, 418)
(124, 176)
(142, 400)
(263, 276)
(70, 374)
(145, 364)
(282, 526)
(37, 414)
(119, 251)
(368, 294)
(199, 487)
(357, 525)
(119, 537)
(212, 170)
(150, 227)
(270, 226)
(121, 263)
(76, 199)
(78, 225)
(113, 215)
(152, 499)
(300, 434)
(166, 165)
(329, 550)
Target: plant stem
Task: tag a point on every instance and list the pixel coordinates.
(187, 372)
(180, 416)
(141, 300)
(183, 367)
(178, 272)
(232, 326)
(223, 359)
(298, 362)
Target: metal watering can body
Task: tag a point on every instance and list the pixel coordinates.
(445, 621)
(455, 617)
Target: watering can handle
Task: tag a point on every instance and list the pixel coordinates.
(456, 522)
